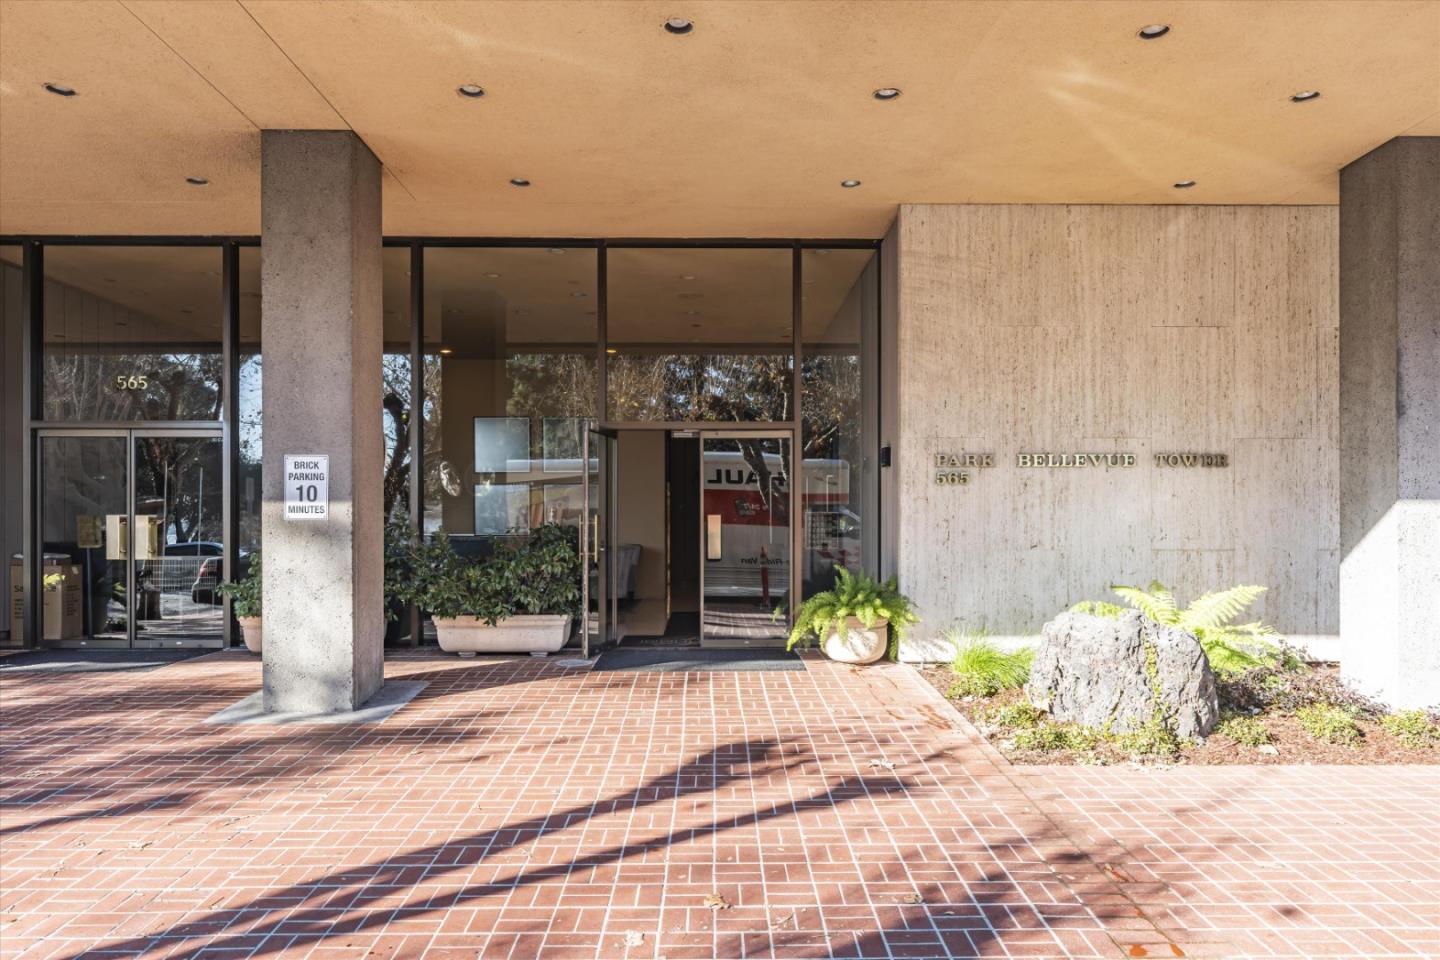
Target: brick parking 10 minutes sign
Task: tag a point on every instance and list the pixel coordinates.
(307, 486)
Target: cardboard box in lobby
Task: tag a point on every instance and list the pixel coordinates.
(61, 606)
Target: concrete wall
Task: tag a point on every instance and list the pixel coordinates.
(1125, 329)
(1390, 420)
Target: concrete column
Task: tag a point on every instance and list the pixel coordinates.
(324, 624)
(1390, 421)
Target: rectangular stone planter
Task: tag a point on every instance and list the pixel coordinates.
(535, 634)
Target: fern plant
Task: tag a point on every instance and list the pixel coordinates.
(1230, 647)
(854, 595)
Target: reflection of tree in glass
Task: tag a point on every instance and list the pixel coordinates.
(179, 478)
(131, 386)
(700, 387)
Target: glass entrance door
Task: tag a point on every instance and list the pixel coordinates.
(746, 539)
(177, 534)
(131, 530)
(600, 586)
(84, 536)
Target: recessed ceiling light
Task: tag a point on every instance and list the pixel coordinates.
(197, 181)
(446, 350)
(611, 350)
(849, 184)
(679, 26)
(519, 182)
(1304, 95)
(692, 313)
(1154, 31)
(60, 89)
(687, 276)
(557, 250)
(472, 90)
(493, 276)
(886, 93)
(1184, 184)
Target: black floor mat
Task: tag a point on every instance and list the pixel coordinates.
(695, 659)
(94, 661)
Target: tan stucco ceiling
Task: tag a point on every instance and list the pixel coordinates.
(743, 128)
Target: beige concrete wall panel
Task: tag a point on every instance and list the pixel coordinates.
(1281, 301)
(1191, 388)
(1190, 573)
(1140, 351)
(1195, 285)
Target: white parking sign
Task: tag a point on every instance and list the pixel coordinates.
(307, 486)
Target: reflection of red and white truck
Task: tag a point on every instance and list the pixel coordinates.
(750, 557)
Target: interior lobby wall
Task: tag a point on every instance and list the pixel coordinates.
(1058, 330)
(642, 507)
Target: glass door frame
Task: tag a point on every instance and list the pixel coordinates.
(129, 435)
(714, 431)
(592, 544)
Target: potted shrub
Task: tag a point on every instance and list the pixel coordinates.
(522, 599)
(857, 620)
(244, 597)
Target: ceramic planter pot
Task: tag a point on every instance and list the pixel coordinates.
(853, 642)
(250, 630)
(535, 634)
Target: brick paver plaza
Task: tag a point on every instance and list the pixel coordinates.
(524, 809)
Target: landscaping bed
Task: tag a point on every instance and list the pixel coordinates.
(1361, 732)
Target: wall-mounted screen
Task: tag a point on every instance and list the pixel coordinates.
(502, 445)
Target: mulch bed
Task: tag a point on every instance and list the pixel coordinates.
(1293, 744)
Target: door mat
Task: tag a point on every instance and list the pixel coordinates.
(695, 659)
(95, 661)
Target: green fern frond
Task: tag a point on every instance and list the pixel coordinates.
(1157, 603)
(1215, 610)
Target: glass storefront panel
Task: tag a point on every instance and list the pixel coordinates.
(248, 437)
(178, 540)
(13, 432)
(395, 381)
(131, 333)
(699, 334)
(745, 571)
(84, 513)
(509, 341)
(839, 492)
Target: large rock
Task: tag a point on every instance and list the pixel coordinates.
(1091, 671)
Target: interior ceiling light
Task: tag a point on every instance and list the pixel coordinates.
(472, 90)
(687, 276)
(611, 350)
(849, 184)
(493, 276)
(519, 182)
(60, 89)
(579, 293)
(1304, 95)
(1154, 31)
(1184, 184)
(197, 181)
(679, 26)
(446, 350)
(886, 93)
(557, 250)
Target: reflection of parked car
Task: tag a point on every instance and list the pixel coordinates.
(194, 548)
(208, 577)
